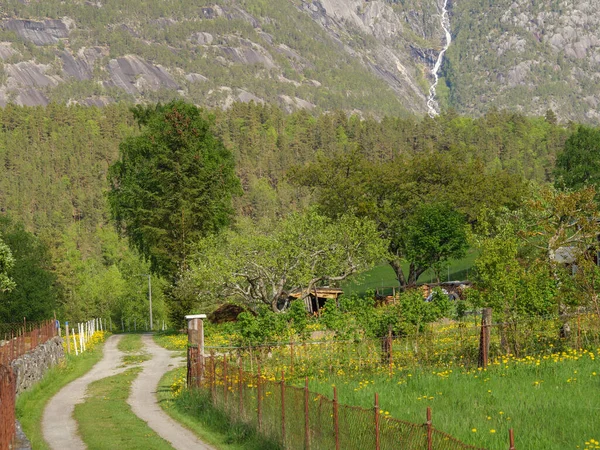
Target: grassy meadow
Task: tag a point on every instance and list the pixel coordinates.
(382, 276)
(551, 402)
(549, 398)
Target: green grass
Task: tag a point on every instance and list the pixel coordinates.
(194, 410)
(133, 346)
(30, 404)
(106, 420)
(130, 343)
(382, 276)
(553, 405)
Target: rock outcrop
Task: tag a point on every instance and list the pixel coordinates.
(46, 32)
(135, 75)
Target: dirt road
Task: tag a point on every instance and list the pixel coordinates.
(58, 425)
(60, 428)
(144, 403)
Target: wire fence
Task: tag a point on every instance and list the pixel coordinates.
(22, 338)
(248, 391)
(455, 344)
(296, 417)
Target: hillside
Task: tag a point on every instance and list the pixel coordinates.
(295, 54)
(374, 57)
(527, 55)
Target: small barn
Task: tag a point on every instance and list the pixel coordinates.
(317, 297)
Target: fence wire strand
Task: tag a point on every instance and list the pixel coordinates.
(296, 417)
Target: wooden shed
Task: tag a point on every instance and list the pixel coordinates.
(317, 297)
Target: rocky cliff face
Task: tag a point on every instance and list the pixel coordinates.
(374, 46)
(370, 56)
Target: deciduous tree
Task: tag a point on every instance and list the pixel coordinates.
(261, 264)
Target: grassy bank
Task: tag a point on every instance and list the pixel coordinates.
(30, 405)
(106, 420)
(194, 410)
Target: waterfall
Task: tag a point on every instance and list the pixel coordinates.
(432, 104)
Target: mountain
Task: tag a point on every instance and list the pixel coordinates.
(372, 57)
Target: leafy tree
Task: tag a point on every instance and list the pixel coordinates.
(421, 203)
(261, 264)
(172, 184)
(7, 262)
(578, 165)
(434, 234)
(33, 294)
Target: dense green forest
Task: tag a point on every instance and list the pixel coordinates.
(55, 160)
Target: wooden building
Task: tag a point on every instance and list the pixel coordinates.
(317, 297)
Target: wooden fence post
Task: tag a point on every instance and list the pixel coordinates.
(511, 439)
(377, 444)
(484, 341)
(67, 336)
(429, 430)
(336, 423)
(283, 409)
(213, 378)
(306, 422)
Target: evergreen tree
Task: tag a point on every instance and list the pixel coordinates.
(172, 184)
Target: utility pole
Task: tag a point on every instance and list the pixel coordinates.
(149, 295)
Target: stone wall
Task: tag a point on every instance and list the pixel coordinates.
(31, 367)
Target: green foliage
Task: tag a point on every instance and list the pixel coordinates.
(506, 283)
(172, 185)
(360, 317)
(435, 234)
(7, 262)
(578, 164)
(33, 294)
(262, 263)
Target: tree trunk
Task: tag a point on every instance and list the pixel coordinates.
(397, 268)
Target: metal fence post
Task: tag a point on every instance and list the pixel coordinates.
(336, 423)
(306, 423)
(429, 430)
(283, 408)
(240, 387)
(259, 410)
(225, 381)
(377, 445)
(511, 439)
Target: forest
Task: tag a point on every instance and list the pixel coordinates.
(300, 201)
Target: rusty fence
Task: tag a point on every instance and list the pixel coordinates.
(22, 338)
(7, 406)
(18, 340)
(463, 344)
(296, 417)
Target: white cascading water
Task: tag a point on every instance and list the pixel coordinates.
(432, 105)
